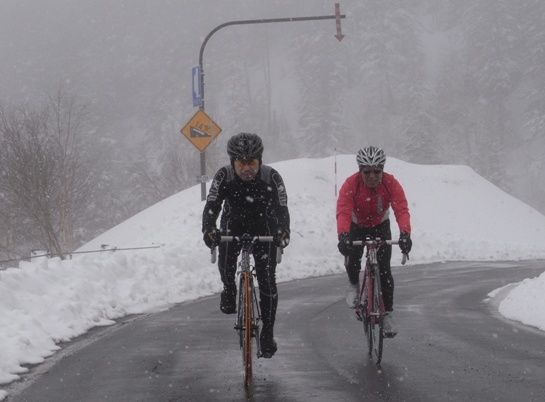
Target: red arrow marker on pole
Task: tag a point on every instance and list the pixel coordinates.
(339, 35)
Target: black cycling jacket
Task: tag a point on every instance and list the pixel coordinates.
(253, 207)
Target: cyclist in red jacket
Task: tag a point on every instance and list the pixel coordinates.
(363, 208)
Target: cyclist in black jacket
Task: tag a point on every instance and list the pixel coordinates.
(254, 201)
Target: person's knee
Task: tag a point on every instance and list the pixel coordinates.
(267, 288)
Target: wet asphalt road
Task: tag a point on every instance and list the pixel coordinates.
(452, 346)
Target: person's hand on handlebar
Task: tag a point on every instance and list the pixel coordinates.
(211, 237)
(345, 244)
(282, 238)
(405, 242)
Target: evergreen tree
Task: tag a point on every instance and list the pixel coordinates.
(322, 73)
(389, 67)
(532, 19)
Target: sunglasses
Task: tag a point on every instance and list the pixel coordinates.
(368, 172)
(240, 163)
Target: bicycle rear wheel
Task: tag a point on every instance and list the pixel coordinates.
(247, 328)
(377, 315)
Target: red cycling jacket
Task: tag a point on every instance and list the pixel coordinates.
(368, 208)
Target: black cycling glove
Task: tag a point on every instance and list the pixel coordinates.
(211, 237)
(345, 244)
(405, 242)
(282, 238)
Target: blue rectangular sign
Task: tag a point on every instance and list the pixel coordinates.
(196, 79)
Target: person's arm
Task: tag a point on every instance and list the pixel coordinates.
(281, 201)
(400, 207)
(345, 206)
(214, 201)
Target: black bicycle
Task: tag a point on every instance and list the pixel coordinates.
(248, 318)
(370, 306)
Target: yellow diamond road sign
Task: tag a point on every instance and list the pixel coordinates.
(201, 130)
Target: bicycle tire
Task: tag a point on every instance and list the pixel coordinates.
(367, 328)
(239, 324)
(256, 318)
(247, 331)
(367, 287)
(377, 316)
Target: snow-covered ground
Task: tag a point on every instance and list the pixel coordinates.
(456, 215)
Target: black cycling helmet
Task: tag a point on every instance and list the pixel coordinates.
(371, 156)
(245, 146)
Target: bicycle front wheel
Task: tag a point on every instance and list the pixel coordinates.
(366, 318)
(239, 325)
(247, 328)
(377, 315)
(362, 309)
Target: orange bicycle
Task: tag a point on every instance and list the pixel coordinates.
(370, 306)
(248, 316)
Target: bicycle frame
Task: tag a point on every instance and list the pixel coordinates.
(370, 305)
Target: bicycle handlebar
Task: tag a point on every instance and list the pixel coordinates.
(380, 242)
(262, 239)
(253, 239)
(370, 241)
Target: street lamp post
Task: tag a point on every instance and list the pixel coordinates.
(338, 16)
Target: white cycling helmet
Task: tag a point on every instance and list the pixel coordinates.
(371, 156)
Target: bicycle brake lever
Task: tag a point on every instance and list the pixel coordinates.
(279, 252)
(213, 255)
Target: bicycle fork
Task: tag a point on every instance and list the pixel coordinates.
(247, 285)
(361, 308)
